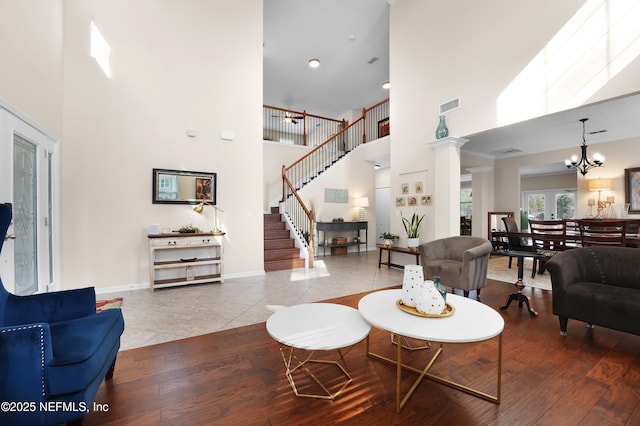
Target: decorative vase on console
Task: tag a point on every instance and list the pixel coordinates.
(430, 300)
(442, 131)
(412, 283)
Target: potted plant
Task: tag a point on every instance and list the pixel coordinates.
(411, 226)
(388, 238)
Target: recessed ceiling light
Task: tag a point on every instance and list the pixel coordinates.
(386, 85)
(314, 63)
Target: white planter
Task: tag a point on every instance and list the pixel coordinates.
(388, 243)
(413, 242)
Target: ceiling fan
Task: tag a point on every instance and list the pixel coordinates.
(289, 117)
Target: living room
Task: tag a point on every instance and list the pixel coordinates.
(110, 132)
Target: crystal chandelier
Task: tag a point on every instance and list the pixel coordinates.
(585, 163)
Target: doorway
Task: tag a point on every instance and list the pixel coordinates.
(28, 176)
(383, 211)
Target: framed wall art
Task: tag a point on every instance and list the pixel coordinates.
(383, 127)
(632, 189)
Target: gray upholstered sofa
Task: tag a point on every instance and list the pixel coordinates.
(597, 285)
(461, 262)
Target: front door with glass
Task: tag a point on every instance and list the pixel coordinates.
(26, 159)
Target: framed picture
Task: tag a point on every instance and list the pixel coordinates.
(632, 189)
(400, 202)
(412, 201)
(405, 188)
(383, 127)
(426, 200)
(419, 187)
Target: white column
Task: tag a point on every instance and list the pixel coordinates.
(481, 184)
(446, 197)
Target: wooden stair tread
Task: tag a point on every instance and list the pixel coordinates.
(280, 265)
(280, 252)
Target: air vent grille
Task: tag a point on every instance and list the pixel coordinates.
(449, 106)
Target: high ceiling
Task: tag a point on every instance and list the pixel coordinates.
(346, 36)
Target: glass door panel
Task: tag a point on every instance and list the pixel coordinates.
(25, 257)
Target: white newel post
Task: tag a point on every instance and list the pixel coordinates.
(446, 198)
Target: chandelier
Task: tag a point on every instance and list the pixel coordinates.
(585, 163)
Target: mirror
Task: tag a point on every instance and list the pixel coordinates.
(183, 187)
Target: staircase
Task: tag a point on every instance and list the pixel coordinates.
(280, 251)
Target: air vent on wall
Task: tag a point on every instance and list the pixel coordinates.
(449, 106)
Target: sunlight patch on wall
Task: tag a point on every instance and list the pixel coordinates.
(597, 43)
(100, 50)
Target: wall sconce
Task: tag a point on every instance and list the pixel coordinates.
(199, 208)
(361, 203)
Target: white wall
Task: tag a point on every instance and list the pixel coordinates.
(479, 52)
(275, 156)
(539, 183)
(175, 64)
(31, 65)
(355, 173)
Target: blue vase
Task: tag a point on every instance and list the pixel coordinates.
(440, 287)
(442, 131)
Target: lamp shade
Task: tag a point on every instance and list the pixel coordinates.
(362, 202)
(599, 184)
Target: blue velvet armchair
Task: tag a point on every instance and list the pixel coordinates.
(54, 352)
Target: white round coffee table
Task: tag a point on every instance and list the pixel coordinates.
(471, 321)
(312, 327)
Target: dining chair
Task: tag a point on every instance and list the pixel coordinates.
(572, 236)
(548, 238)
(517, 242)
(611, 233)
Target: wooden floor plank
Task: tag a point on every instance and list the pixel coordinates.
(237, 377)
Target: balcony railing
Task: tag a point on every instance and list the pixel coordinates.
(297, 128)
(301, 128)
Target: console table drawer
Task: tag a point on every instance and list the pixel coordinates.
(169, 242)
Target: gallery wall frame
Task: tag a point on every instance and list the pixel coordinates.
(632, 189)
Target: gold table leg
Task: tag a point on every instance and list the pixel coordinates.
(424, 373)
(293, 363)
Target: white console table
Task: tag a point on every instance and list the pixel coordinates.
(182, 259)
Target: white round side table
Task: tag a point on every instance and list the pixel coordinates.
(307, 328)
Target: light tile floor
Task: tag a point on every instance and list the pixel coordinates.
(186, 311)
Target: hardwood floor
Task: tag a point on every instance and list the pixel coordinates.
(237, 377)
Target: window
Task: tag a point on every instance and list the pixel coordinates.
(548, 205)
(566, 205)
(466, 205)
(535, 206)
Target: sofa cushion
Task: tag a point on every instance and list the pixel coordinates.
(605, 305)
(81, 347)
